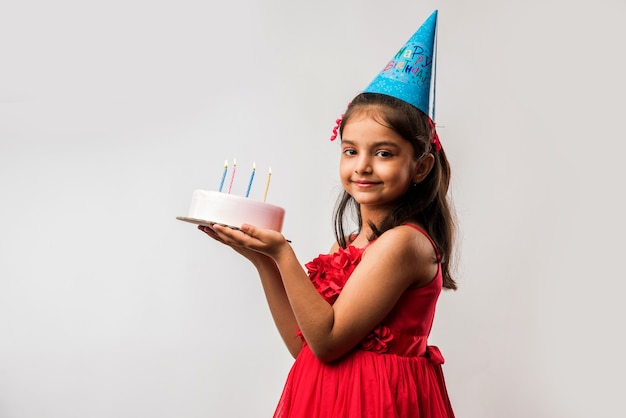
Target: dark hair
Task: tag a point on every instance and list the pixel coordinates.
(425, 203)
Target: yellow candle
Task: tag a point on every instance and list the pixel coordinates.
(267, 185)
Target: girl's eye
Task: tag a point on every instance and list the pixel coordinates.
(384, 154)
(349, 152)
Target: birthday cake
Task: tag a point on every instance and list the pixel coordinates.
(210, 207)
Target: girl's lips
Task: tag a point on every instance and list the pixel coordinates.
(364, 183)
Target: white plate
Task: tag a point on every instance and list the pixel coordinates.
(203, 222)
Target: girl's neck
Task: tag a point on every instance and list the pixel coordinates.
(376, 217)
(372, 215)
(368, 216)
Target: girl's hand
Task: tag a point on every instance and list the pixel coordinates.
(264, 241)
(255, 257)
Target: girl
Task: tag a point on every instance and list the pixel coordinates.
(358, 322)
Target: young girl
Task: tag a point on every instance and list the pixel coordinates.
(358, 321)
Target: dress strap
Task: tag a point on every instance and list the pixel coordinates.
(420, 229)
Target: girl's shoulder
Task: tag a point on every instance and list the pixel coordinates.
(409, 241)
(404, 252)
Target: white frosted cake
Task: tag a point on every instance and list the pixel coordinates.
(209, 207)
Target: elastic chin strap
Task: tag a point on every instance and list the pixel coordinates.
(431, 120)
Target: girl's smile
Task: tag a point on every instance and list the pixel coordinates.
(364, 184)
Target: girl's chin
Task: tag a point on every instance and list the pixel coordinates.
(372, 204)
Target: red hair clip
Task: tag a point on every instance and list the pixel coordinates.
(338, 125)
(336, 128)
(435, 140)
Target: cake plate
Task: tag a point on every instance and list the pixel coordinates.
(204, 222)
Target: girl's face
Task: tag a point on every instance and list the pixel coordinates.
(377, 165)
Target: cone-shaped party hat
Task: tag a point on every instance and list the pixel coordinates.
(408, 75)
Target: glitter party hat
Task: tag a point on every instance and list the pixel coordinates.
(408, 75)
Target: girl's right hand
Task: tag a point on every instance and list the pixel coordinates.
(255, 257)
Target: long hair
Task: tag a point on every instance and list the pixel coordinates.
(426, 202)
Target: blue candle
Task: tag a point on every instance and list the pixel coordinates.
(251, 178)
(224, 175)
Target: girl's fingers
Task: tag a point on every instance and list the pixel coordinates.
(211, 232)
(249, 236)
(250, 230)
(228, 235)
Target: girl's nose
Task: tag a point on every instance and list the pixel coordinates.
(363, 165)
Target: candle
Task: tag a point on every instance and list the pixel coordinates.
(232, 177)
(267, 185)
(251, 178)
(224, 175)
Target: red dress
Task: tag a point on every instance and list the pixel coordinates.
(392, 373)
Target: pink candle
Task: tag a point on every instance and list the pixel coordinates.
(232, 177)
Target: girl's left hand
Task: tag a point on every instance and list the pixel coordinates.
(265, 241)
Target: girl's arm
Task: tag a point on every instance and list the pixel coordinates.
(279, 305)
(274, 293)
(400, 258)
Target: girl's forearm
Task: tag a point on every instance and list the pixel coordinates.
(279, 305)
(313, 314)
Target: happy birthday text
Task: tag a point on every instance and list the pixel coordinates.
(411, 61)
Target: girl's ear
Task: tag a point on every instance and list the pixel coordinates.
(423, 167)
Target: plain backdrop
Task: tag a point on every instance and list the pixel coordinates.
(112, 113)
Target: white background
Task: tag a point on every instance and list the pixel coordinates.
(112, 113)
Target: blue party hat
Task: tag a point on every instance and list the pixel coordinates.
(408, 75)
